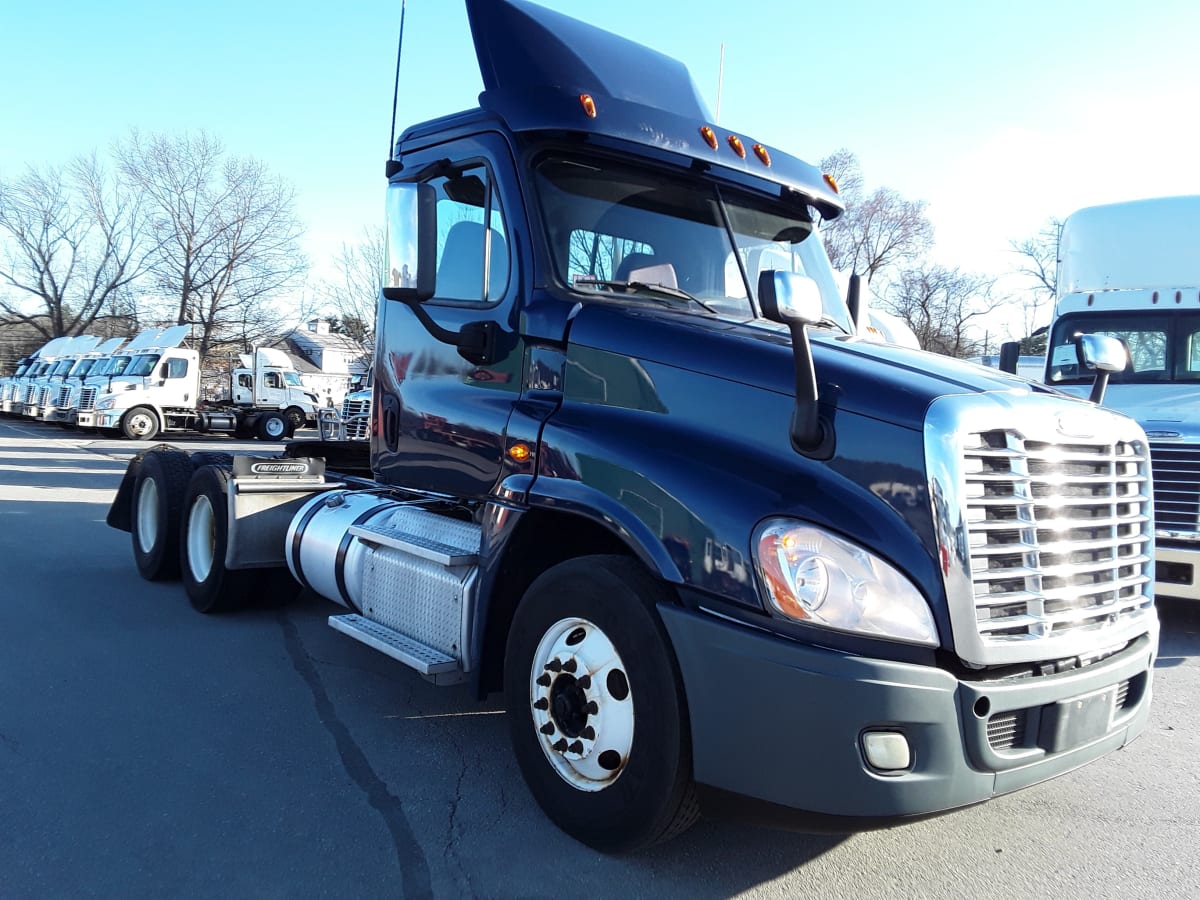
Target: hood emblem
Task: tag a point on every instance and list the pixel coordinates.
(1074, 426)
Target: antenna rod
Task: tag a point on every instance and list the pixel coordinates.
(396, 88)
(720, 81)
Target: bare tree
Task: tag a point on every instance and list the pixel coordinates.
(940, 304)
(74, 246)
(353, 296)
(877, 231)
(1038, 262)
(227, 234)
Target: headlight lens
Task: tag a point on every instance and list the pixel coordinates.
(106, 403)
(816, 577)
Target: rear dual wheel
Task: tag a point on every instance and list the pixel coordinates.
(158, 490)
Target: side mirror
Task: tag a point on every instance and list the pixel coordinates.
(410, 246)
(1010, 353)
(789, 298)
(1103, 355)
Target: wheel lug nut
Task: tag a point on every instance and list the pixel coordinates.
(554, 665)
(576, 747)
(541, 703)
(592, 708)
(569, 665)
(545, 680)
(548, 728)
(584, 682)
(588, 733)
(560, 745)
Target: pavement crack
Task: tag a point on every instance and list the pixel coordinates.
(414, 869)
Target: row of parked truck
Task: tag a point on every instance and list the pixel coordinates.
(152, 385)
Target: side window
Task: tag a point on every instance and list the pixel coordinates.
(473, 260)
(244, 380)
(599, 256)
(273, 380)
(177, 368)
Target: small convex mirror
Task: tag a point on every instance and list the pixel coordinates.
(409, 270)
(789, 298)
(1101, 353)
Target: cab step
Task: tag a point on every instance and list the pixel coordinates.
(430, 662)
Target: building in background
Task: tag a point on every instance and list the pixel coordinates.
(327, 362)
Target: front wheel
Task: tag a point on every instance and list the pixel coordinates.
(598, 716)
(140, 424)
(296, 417)
(273, 426)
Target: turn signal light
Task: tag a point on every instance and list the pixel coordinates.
(761, 152)
(519, 452)
(738, 147)
(710, 136)
(832, 182)
(588, 104)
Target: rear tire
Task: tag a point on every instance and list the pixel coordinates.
(203, 539)
(158, 493)
(273, 426)
(596, 706)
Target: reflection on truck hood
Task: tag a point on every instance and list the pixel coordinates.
(877, 380)
(1166, 411)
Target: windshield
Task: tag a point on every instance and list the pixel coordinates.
(675, 239)
(143, 364)
(82, 367)
(118, 365)
(292, 378)
(1164, 346)
(62, 367)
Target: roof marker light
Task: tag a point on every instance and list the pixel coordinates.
(761, 152)
(710, 136)
(832, 182)
(588, 104)
(738, 147)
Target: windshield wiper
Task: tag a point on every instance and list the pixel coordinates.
(656, 291)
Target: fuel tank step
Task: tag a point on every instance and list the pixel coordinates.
(430, 662)
(430, 548)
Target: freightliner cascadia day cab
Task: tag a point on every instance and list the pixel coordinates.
(1132, 271)
(714, 549)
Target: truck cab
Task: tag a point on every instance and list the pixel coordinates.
(1130, 271)
(268, 380)
(63, 404)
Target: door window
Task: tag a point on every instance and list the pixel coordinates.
(473, 260)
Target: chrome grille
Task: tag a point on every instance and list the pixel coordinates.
(356, 413)
(87, 397)
(64, 397)
(30, 393)
(1176, 486)
(1058, 534)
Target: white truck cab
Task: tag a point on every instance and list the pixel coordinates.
(62, 404)
(1131, 271)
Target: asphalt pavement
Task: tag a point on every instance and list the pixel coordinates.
(149, 751)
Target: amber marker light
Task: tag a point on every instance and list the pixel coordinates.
(832, 182)
(763, 156)
(519, 452)
(588, 104)
(710, 136)
(738, 147)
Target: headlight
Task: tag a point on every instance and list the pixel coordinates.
(812, 576)
(107, 403)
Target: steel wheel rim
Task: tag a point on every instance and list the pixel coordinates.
(274, 427)
(581, 705)
(201, 539)
(147, 515)
(140, 424)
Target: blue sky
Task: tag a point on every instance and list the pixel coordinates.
(999, 114)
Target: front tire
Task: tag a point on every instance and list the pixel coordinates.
(140, 424)
(203, 539)
(158, 491)
(296, 418)
(596, 705)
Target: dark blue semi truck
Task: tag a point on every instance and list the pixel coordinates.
(631, 465)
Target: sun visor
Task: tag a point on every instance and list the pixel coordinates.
(523, 49)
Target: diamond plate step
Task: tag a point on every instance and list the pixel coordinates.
(418, 545)
(426, 660)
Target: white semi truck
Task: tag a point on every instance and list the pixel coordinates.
(60, 407)
(1132, 271)
(44, 384)
(160, 391)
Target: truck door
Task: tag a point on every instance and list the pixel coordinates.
(441, 420)
(270, 391)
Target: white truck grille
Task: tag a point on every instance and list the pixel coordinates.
(64, 397)
(87, 397)
(356, 413)
(1176, 487)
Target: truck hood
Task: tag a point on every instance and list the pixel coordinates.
(1165, 411)
(882, 381)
